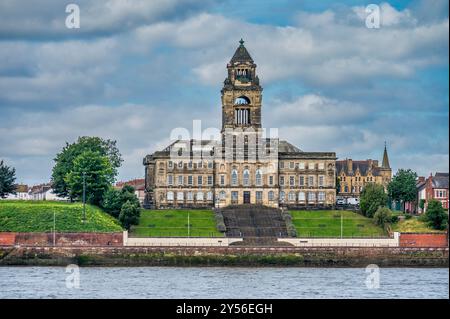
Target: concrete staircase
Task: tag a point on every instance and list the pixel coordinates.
(258, 225)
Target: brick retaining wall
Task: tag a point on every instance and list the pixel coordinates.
(423, 240)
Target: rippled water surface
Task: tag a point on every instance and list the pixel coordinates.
(175, 282)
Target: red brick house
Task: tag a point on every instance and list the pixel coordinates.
(435, 187)
(138, 185)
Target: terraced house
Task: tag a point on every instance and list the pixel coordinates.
(244, 166)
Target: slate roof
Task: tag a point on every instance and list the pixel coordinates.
(440, 180)
(363, 166)
(241, 54)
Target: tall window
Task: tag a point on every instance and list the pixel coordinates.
(301, 196)
(282, 196)
(311, 181)
(180, 180)
(321, 180)
(190, 196)
(190, 180)
(170, 196)
(291, 180)
(281, 180)
(234, 177)
(180, 196)
(210, 180)
(302, 180)
(246, 177)
(271, 195)
(222, 180)
(270, 180)
(311, 196)
(242, 116)
(321, 196)
(199, 180)
(258, 177)
(199, 196)
(169, 179)
(291, 196)
(209, 195)
(222, 195)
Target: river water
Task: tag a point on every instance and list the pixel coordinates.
(198, 282)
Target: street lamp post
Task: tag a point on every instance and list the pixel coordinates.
(84, 197)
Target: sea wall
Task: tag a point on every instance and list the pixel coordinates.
(179, 241)
(346, 242)
(61, 239)
(225, 256)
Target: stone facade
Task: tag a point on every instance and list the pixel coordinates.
(354, 175)
(244, 167)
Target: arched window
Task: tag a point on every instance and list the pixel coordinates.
(242, 100)
(246, 177)
(170, 196)
(258, 177)
(234, 178)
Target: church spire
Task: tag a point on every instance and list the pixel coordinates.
(385, 158)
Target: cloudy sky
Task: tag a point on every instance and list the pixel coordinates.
(135, 70)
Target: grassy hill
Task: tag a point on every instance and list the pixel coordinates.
(174, 223)
(37, 216)
(327, 223)
(413, 225)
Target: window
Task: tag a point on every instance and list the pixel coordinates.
(281, 164)
(311, 196)
(199, 164)
(311, 181)
(222, 195)
(301, 196)
(291, 165)
(302, 180)
(190, 180)
(282, 196)
(209, 196)
(180, 180)
(180, 196)
(321, 180)
(190, 164)
(259, 196)
(291, 196)
(170, 196)
(190, 196)
(180, 164)
(301, 165)
(291, 180)
(170, 164)
(234, 197)
(281, 180)
(210, 180)
(222, 180)
(321, 196)
(271, 180)
(321, 165)
(199, 196)
(246, 177)
(258, 177)
(169, 179)
(242, 116)
(210, 164)
(271, 196)
(234, 177)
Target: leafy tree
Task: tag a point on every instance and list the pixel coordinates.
(64, 161)
(99, 176)
(403, 186)
(422, 204)
(382, 217)
(114, 199)
(7, 180)
(372, 197)
(436, 216)
(129, 214)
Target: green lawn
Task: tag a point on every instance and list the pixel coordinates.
(327, 223)
(174, 223)
(37, 216)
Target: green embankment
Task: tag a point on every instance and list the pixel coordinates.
(37, 216)
(327, 223)
(174, 223)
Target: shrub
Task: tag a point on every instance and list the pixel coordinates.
(220, 223)
(382, 217)
(436, 216)
(129, 214)
(408, 216)
(292, 231)
(372, 197)
(394, 219)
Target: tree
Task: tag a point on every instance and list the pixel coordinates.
(7, 180)
(372, 197)
(64, 160)
(114, 199)
(382, 217)
(99, 175)
(129, 214)
(403, 186)
(436, 216)
(422, 204)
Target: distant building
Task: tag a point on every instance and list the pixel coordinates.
(354, 175)
(44, 192)
(21, 193)
(138, 185)
(434, 187)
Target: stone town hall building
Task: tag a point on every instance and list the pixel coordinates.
(245, 166)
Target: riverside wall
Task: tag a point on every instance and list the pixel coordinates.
(225, 256)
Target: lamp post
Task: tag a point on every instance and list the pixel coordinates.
(84, 197)
(189, 226)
